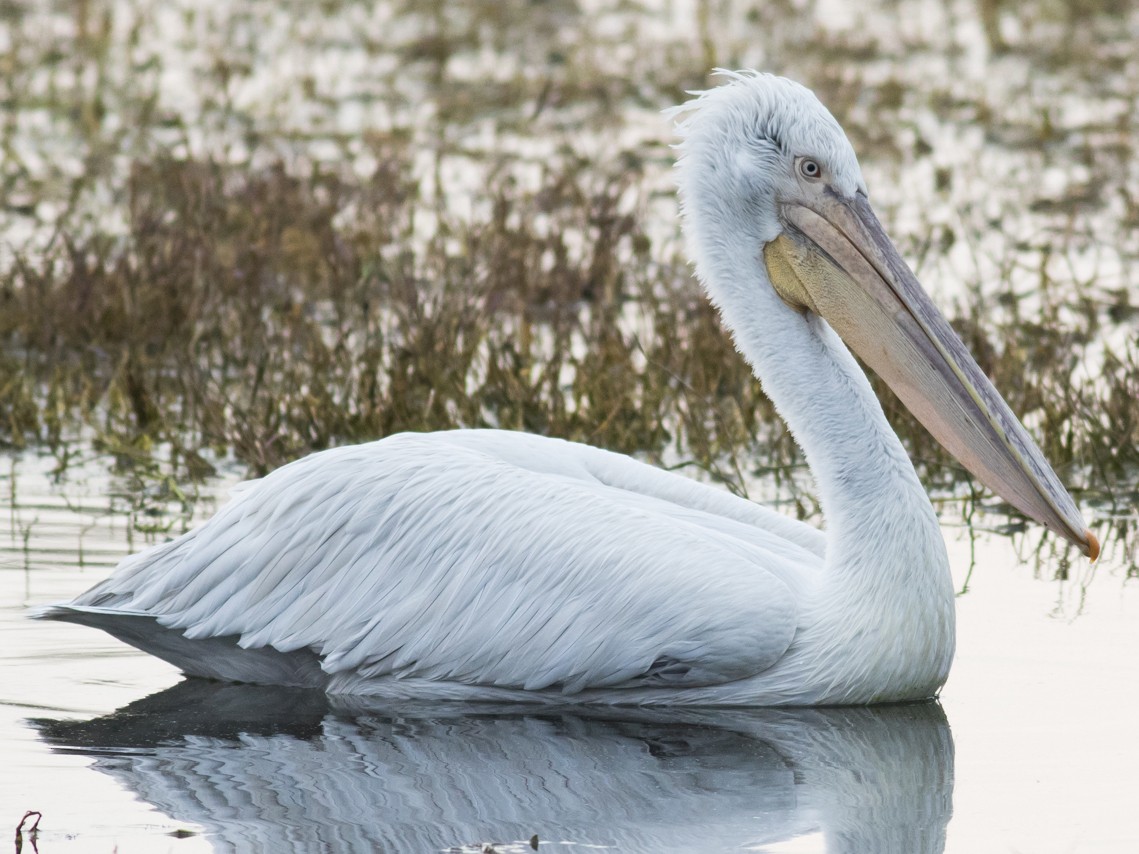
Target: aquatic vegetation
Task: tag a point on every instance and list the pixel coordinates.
(432, 215)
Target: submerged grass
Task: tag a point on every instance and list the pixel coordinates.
(466, 222)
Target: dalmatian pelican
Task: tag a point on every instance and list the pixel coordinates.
(493, 565)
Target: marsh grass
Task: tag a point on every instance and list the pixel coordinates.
(244, 312)
(246, 281)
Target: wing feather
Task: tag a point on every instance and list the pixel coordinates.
(485, 557)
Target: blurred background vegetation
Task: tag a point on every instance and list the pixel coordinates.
(233, 234)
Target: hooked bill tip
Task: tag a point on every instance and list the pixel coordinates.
(1093, 546)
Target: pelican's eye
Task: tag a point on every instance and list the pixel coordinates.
(810, 169)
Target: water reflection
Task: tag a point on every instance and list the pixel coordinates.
(278, 769)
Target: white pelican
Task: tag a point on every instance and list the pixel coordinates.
(489, 565)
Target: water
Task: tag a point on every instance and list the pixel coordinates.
(1033, 746)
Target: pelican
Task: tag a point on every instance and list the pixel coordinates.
(500, 566)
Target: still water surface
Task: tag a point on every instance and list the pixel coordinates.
(1034, 746)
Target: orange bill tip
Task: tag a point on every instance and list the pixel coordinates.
(1093, 546)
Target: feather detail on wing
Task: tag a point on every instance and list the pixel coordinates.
(485, 558)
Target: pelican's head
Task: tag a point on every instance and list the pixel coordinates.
(767, 177)
(754, 144)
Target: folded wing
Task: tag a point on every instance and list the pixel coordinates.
(476, 558)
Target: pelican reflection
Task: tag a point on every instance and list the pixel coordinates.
(274, 769)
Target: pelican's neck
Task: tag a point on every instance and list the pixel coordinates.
(864, 477)
(877, 514)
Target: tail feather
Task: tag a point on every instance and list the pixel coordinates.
(210, 658)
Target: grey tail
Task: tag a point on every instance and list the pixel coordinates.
(211, 658)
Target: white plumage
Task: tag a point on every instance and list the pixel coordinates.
(497, 565)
